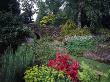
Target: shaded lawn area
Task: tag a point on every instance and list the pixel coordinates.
(100, 67)
(103, 67)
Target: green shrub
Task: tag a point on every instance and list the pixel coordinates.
(70, 28)
(12, 31)
(44, 74)
(47, 20)
(14, 64)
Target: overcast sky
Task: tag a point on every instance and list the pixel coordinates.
(35, 7)
(35, 15)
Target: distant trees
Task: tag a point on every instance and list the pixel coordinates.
(42, 9)
(93, 10)
(10, 6)
(93, 13)
(96, 10)
(53, 5)
(27, 7)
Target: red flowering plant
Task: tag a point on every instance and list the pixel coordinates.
(67, 64)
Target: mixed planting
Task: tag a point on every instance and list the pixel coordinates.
(68, 42)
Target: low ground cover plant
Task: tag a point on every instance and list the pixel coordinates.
(44, 74)
(77, 45)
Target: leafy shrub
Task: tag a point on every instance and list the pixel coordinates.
(80, 32)
(70, 28)
(12, 31)
(43, 74)
(14, 64)
(47, 20)
(43, 50)
(63, 62)
(87, 74)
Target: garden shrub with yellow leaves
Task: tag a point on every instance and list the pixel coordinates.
(68, 27)
(80, 32)
(47, 20)
(71, 29)
(44, 74)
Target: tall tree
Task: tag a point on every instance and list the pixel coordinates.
(54, 5)
(27, 7)
(10, 6)
(42, 9)
(94, 10)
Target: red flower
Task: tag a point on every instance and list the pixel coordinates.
(75, 65)
(51, 63)
(67, 64)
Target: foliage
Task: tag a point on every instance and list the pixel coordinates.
(100, 69)
(43, 50)
(80, 32)
(104, 31)
(61, 18)
(91, 13)
(44, 74)
(47, 20)
(53, 6)
(14, 64)
(10, 6)
(28, 9)
(96, 10)
(42, 9)
(64, 63)
(12, 31)
(70, 28)
(77, 45)
(86, 74)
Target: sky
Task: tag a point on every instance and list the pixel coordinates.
(35, 15)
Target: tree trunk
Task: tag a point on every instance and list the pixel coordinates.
(80, 8)
(79, 19)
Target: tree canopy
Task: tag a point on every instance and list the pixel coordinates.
(10, 6)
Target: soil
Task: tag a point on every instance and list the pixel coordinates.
(102, 54)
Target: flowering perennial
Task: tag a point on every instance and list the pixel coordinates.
(67, 64)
